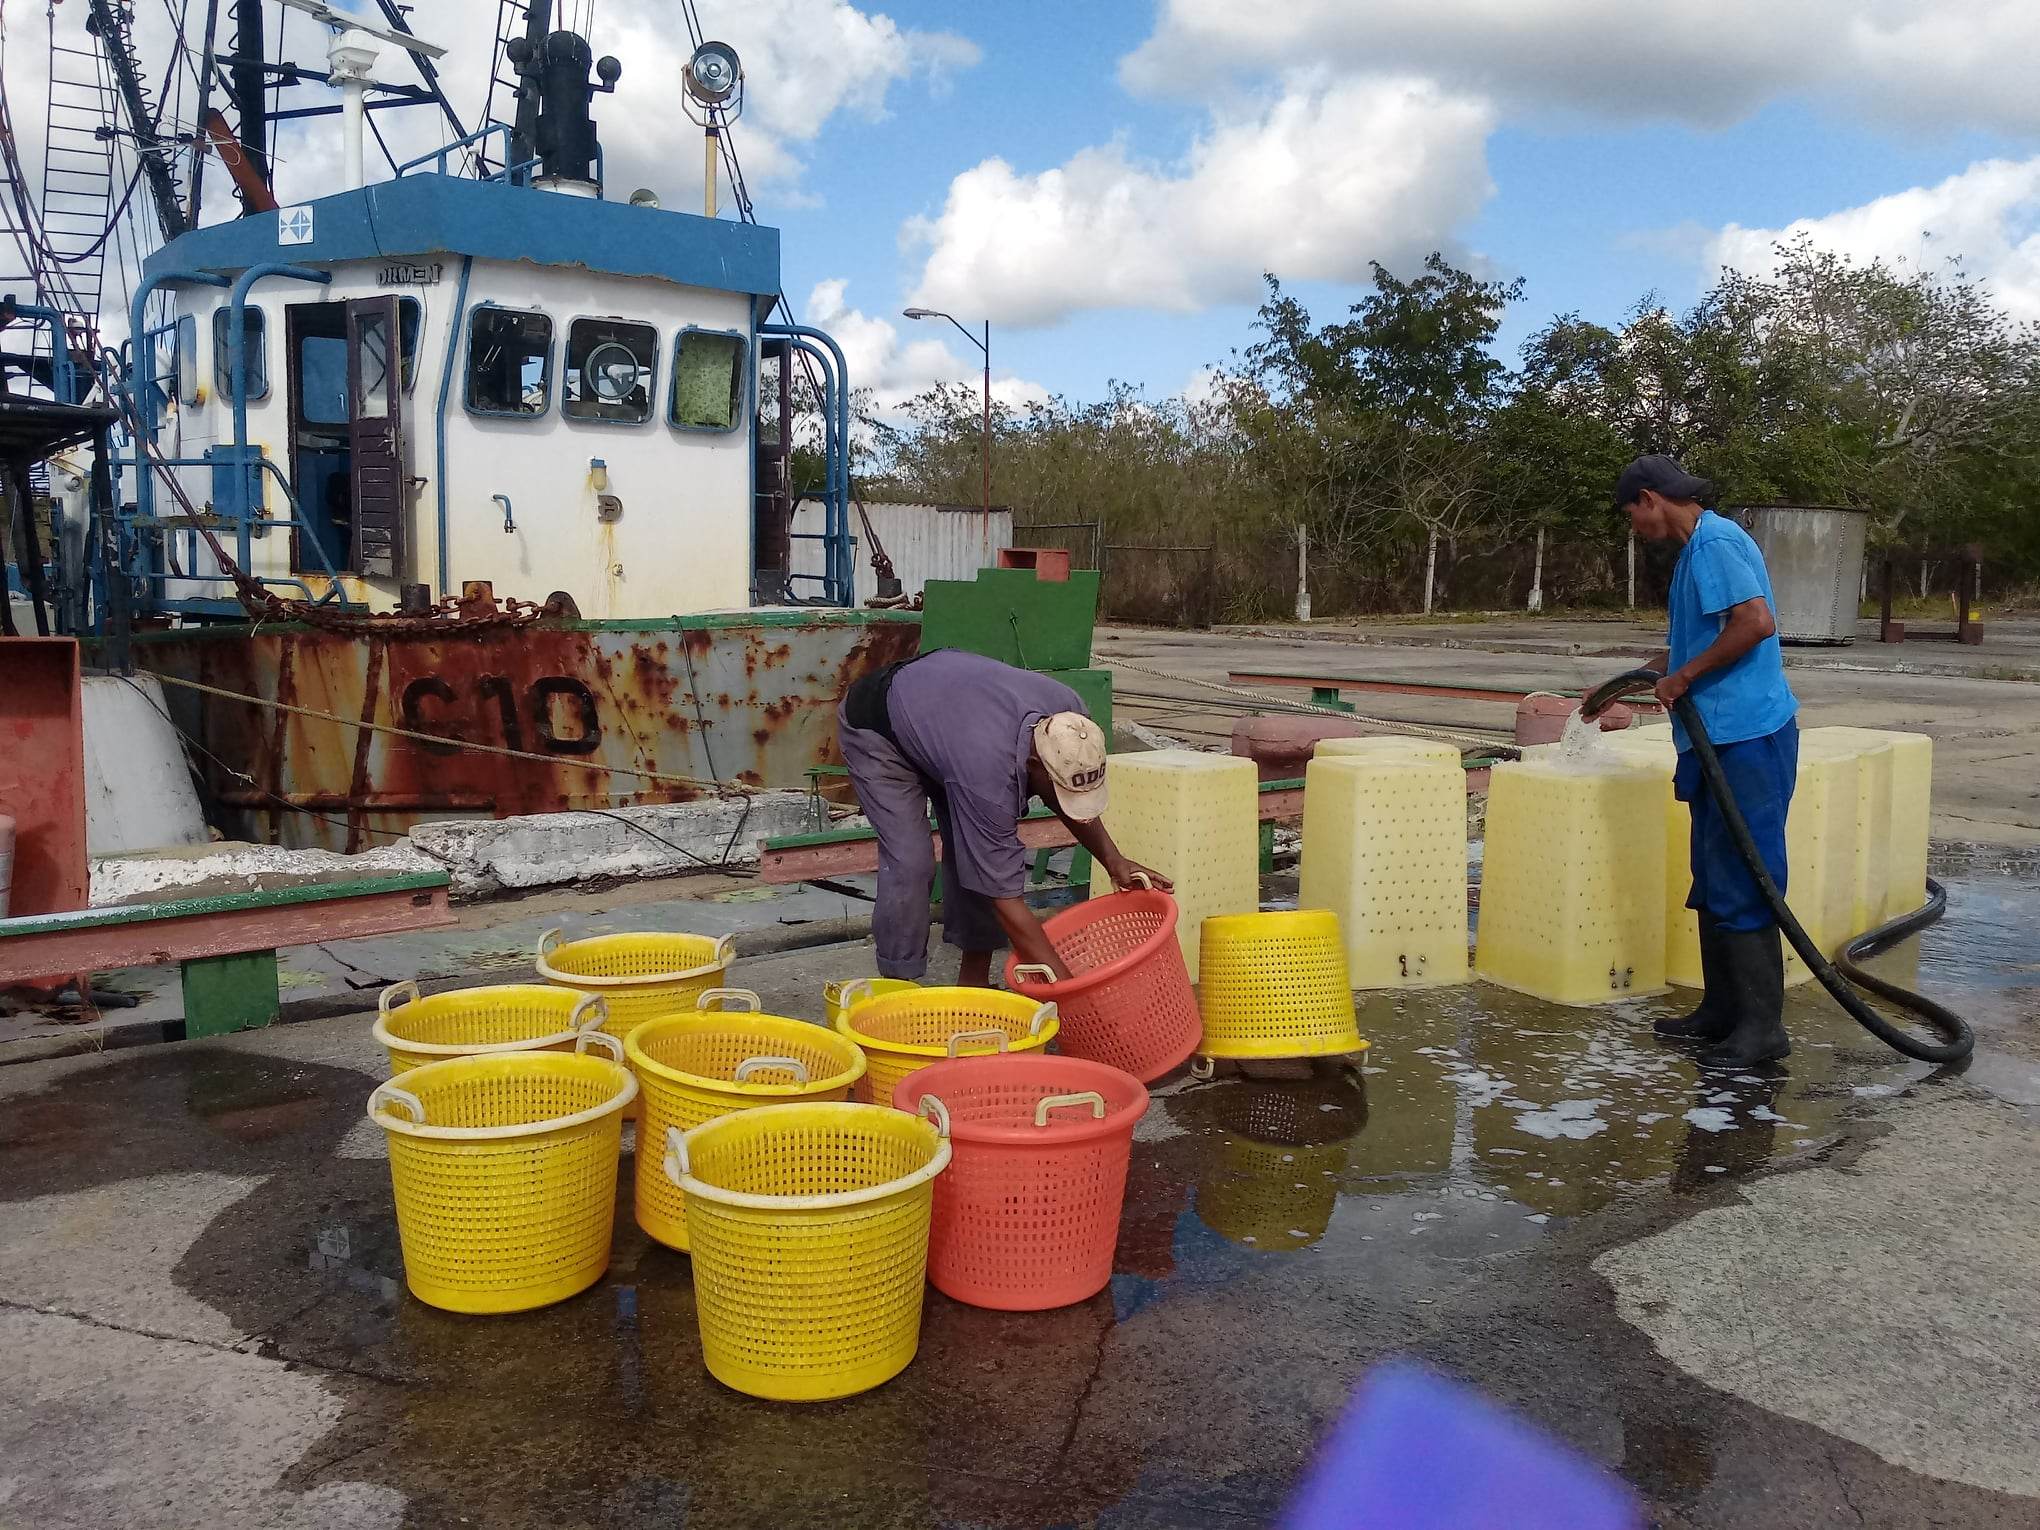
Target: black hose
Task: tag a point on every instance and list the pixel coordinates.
(1836, 976)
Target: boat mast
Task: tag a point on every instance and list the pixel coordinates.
(248, 80)
(106, 22)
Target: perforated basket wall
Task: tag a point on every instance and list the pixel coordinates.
(640, 976)
(900, 1032)
(511, 1222)
(504, 1017)
(1572, 898)
(1682, 924)
(801, 1302)
(1384, 848)
(1389, 746)
(1274, 985)
(1196, 819)
(686, 1066)
(1128, 1003)
(1027, 1216)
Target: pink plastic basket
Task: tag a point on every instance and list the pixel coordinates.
(1027, 1216)
(1128, 1002)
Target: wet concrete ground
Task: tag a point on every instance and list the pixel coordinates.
(1799, 1299)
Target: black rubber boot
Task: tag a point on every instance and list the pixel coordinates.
(1756, 964)
(1715, 1016)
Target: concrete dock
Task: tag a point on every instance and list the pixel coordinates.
(1803, 1299)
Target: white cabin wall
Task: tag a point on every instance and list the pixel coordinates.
(683, 541)
(924, 542)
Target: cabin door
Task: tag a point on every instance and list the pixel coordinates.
(375, 437)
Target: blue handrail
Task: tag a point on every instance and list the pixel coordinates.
(518, 174)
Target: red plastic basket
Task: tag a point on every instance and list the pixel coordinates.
(1128, 1002)
(1027, 1215)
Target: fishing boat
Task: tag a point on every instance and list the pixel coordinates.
(466, 490)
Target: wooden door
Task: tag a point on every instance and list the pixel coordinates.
(375, 437)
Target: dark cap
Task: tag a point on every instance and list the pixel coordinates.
(1662, 475)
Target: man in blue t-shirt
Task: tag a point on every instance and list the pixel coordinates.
(1724, 656)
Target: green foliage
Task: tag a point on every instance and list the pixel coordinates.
(1394, 436)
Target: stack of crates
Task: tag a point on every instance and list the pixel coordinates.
(1195, 818)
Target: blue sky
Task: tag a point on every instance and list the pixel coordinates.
(1591, 212)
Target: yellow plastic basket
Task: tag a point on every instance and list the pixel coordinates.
(476, 1022)
(693, 1068)
(809, 1230)
(900, 1032)
(504, 1168)
(842, 997)
(1274, 985)
(639, 976)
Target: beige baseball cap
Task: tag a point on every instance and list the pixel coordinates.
(1071, 749)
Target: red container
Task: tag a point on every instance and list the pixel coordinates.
(1128, 1002)
(1027, 1214)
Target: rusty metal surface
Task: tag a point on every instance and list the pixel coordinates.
(42, 771)
(747, 698)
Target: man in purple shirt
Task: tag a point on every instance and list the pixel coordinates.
(978, 739)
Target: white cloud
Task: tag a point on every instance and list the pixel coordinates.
(1705, 61)
(1988, 216)
(1312, 185)
(895, 364)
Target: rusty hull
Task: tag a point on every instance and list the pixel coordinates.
(747, 697)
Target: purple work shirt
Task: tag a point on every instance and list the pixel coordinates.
(966, 722)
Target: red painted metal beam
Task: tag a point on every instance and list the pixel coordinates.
(1389, 687)
(779, 863)
(97, 946)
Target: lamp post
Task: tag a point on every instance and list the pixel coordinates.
(984, 345)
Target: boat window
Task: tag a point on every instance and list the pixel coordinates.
(177, 360)
(611, 364)
(254, 347)
(708, 379)
(410, 319)
(509, 362)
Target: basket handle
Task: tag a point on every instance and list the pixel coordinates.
(791, 1065)
(547, 941)
(1028, 969)
(397, 995)
(1042, 1016)
(1090, 1097)
(675, 1163)
(387, 1096)
(726, 949)
(1143, 878)
(728, 998)
(608, 1042)
(932, 1107)
(990, 1033)
(853, 992)
(594, 1008)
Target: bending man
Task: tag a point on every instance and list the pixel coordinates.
(978, 739)
(1724, 654)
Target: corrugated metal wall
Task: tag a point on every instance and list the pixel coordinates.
(924, 541)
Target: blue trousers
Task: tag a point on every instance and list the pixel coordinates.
(1761, 773)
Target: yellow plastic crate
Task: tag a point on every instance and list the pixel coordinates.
(693, 1068)
(1820, 847)
(1909, 825)
(1394, 746)
(1682, 924)
(470, 1022)
(1384, 848)
(1870, 878)
(1572, 901)
(504, 1170)
(901, 1032)
(640, 976)
(1275, 985)
(808, 1226)
(1196, 819)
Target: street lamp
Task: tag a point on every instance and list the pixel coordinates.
(984, 345)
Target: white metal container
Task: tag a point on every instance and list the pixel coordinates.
(1815, 555)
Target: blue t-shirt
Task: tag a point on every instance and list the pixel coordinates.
(1721, 567)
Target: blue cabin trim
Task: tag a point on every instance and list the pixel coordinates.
(422, 214)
